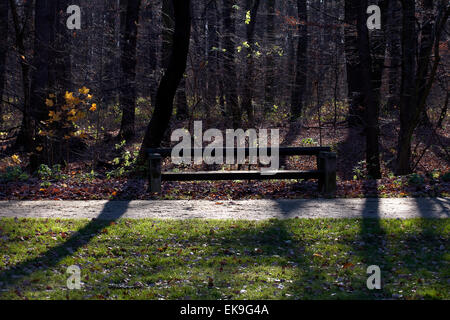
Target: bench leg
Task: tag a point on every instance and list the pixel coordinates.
(154, 173)
(326, 162)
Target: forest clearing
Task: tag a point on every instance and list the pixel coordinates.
(224, 150)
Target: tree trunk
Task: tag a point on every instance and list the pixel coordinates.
(110, 73)
(153, 53)
(251, 6)
(52, 75)
(395, 52)
(42, 8)
(229, 64)
(42, 79)
(128, 64)
(302, 62)
(212, 56)
(168, 25)
(4, 13)
(270, 69)
(371, 54)
(425, 50)
(408, 96)
(169, 83)
(353, 64)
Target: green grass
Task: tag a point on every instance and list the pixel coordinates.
(197, 259)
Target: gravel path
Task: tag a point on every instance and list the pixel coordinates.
(240, 209)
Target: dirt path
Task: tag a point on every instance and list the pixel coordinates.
(240, 209)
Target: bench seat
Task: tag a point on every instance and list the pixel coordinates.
(238, 175)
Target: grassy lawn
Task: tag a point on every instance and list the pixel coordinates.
(193, 259)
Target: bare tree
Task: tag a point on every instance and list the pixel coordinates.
(25, 137)
(230, 64)
(128, 64)
(372, 55)
(252, 6)
(353, 64)
(4, 19)
(417, 77)
(169, 83)
(270, 68)
(299, 88)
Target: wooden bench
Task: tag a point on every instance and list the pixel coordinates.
(325, 173)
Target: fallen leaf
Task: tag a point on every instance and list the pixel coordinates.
(348, 265)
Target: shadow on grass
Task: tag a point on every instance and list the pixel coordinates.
(54, 255)
(374, 249)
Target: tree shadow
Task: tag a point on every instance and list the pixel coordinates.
(373, 248)
(429, 256)
(261, 242)
(111, 212)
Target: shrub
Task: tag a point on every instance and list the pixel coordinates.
(44, 172)
(360, 171)
(14, 173)
(446, 177)
(416, 179)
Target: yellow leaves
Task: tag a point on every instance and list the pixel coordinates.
(44, 133)
(75, 115)
(70, 99)
(39, 148)
(83, 135)
(68, 96)
(15, 158)
(83, 90)
(81, 115)
(67, 113)
(248, 17)
(49, 103)
(54, 116)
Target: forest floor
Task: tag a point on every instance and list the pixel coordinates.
(109, 177)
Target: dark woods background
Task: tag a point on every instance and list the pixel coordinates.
(310, 68)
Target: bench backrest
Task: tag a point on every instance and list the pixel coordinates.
(283, 151)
